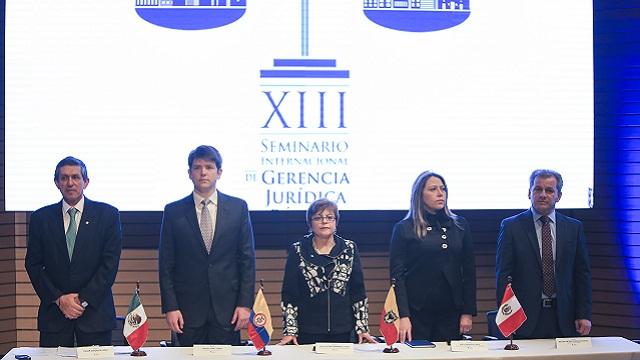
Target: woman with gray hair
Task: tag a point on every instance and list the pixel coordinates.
(323, 293)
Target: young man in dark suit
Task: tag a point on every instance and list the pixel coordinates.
(72, 259)
(206, 258)
(545, 253)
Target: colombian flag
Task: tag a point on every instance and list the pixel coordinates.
(389, 319)
(259, 326)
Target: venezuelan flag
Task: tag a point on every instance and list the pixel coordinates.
(259, 326)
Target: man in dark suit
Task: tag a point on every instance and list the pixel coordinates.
(545, 253)
(72, 259)
(206, 259)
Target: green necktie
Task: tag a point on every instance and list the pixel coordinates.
(72, 230)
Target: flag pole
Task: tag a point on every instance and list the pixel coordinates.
(137, 352)
(510, 345)
(391, 349)
(264, 351)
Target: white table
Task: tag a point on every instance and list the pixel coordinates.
(607, 348)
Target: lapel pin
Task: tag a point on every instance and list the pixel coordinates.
(87, 222)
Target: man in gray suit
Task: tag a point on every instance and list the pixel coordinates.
(206, 258)
(545, 253)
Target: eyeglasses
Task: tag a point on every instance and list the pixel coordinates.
(328, 218)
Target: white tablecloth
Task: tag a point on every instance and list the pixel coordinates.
(607, 348)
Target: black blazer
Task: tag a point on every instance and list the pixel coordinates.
(518, 256)
(193, 281)
(412, 260)
(327, 290)
(91, 271)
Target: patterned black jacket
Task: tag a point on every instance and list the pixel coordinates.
(324, 294)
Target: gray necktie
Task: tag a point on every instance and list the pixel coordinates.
(206, 228)
(72, 231)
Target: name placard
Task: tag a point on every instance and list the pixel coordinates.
(94, 352)
(469, 346)
(211, 350)
(573, 343)
(333, 348)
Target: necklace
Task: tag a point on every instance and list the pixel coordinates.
(330, 244)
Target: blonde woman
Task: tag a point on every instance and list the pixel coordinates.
(432, 261)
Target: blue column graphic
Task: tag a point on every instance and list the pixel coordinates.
(304, 67)
(305, 27)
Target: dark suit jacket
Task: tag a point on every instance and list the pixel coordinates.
(518, 256)
(193, 281)
(413, 260)
(90, 273)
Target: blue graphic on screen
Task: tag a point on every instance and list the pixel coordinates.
(191, 14)
(417, 15)
(305, 67)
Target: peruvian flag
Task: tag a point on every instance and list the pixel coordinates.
(510, 314)
(389, 319)
(136, 327)
(259, 325)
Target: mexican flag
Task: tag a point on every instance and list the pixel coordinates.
(136, 327)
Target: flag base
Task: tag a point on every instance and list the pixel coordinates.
(138, 353)
(511, 347)
(391, 350)
(264, 352)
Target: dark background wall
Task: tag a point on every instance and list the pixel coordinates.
(612, 226)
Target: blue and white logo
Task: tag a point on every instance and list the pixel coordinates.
(305, 67)
(305, 137)
(191, 14)
(417, 15)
